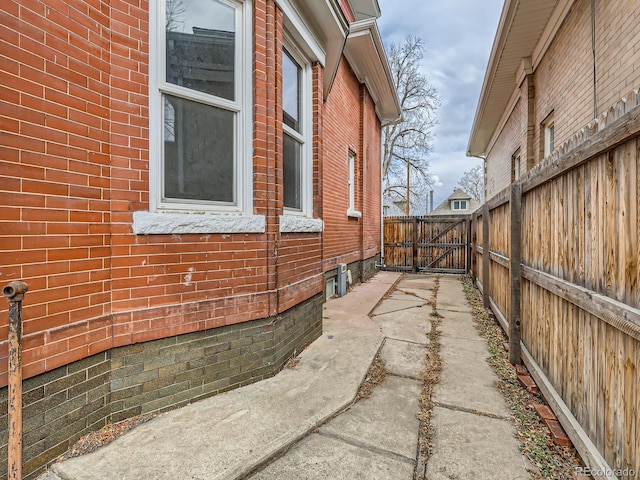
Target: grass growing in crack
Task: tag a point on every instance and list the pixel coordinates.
(429, 377)
(552, 461)
(375, 376)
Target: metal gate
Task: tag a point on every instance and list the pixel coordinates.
(427, 244)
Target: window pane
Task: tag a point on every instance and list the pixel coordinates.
(201, 46)
(291, 73)
(198, 153)
(292, 173)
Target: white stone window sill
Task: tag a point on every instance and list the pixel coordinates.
(354, 214)
(148, 223)
(296, 224)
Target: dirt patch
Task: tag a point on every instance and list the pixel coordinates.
(375, 376)
(107, 434)
(552, 461)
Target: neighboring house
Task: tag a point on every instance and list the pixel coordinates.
(392, 208)
(558, 124)
(458, 203)
(180, 180)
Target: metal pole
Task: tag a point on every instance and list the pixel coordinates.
(15, 294)
(407, 207)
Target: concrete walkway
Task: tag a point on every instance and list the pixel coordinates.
(308, 413)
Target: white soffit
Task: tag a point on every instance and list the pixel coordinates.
(363, 9)
(365, 53)
(520, 30)
(330, 27)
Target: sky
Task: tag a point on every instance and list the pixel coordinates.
(457, 35)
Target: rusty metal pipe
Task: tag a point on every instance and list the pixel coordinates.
(15, 294)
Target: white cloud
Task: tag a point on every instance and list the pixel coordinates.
(458, 35)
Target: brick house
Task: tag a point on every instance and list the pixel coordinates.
(548, 77)
(557, 253)
(179, 182)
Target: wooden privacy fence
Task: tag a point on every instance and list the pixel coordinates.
(427, 244)
(557, 259)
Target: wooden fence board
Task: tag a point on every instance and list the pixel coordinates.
(579, 291)
(428, 244)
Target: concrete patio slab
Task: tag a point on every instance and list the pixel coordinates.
(398, 303)
(320, 457)
(410, 325)
(384, 421)
(467, 380)
(403, 358)
(474, 446)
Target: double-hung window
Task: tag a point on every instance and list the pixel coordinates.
(296, 126)
(352, 181)
(548, 139)
(459, 204)
(202, 109)
(351, 211)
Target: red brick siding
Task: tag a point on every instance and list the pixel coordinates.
(342, 234)
(370, 175)
(74, 166)
(55, 177)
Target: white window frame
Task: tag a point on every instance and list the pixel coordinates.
(515, 166)
(305, 136)
(458, 205)
(242, 107)
(351, 211)
(548, 127)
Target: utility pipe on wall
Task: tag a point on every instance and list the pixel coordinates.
(15, 294)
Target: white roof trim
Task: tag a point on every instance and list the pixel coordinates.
(366, 55)
(299, 31)
(520, 34)
(326, 19)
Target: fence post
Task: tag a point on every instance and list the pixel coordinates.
(468, 248)
(515, 255)
(15, 294)
(485, 255)
(415, 244)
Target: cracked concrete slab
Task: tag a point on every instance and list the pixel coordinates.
(396, 303)
(418, 281)
(474, 446)
(467, 380)
(318, 457)
(418, 293)
(385, 421)
(403, 358)
(460, 325)
(452, 298)
(411, 325)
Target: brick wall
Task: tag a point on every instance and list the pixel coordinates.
(67, 402)
(349, 239)
(564, 80)
(510, 139)
(74, 167)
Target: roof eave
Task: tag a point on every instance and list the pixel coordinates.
(365, 53)
(519, 35)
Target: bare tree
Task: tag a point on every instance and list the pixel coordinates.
(175, 12)
(472, 182)
(408, 143)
